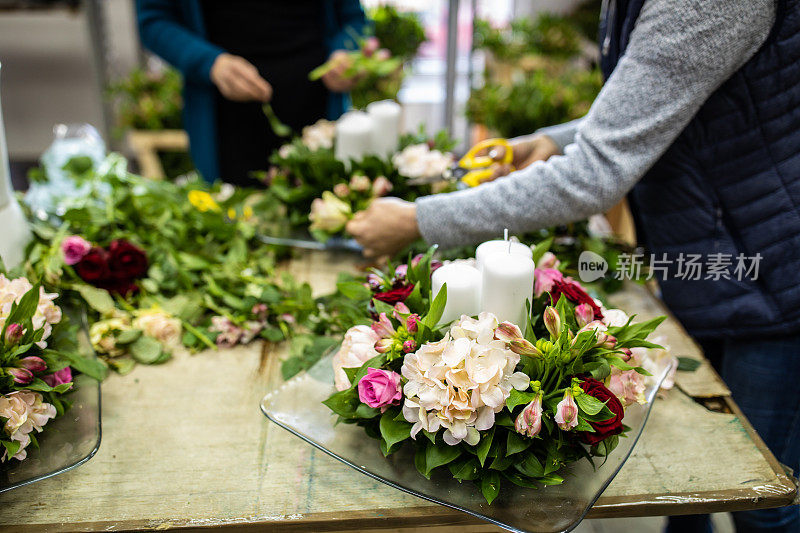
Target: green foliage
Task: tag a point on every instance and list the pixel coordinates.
(399, 32)
(148, 100)
(548, 34)
(538, 100)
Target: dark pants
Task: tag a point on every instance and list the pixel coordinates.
(764, 378)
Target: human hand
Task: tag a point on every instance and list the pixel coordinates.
(238, 79)
(526, 151)
(335, 79)
(385, 227)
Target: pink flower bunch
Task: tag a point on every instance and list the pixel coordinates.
(231, 334)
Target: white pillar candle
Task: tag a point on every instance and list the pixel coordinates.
(507, 285)
(16, 232)
(500, 247)
(386, 126)
(353, 137)
(463, 290)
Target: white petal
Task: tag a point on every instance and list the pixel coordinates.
(473, 437)
(485, 419)
(520, 380)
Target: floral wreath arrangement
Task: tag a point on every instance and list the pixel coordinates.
(488, 400)
(162, 265)
(37, 365)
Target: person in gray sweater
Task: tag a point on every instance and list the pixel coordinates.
(699, 121)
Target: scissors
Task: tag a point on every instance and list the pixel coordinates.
(474, 169)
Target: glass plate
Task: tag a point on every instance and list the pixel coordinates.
(67, 442)
(297, 407)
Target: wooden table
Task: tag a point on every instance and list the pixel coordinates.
(185, 446)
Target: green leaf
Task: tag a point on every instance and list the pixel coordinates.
(583, 425)
(343, 403)
(688, 364)
(517, 443)
(551, 479)
(146, 350)
(464, 470)
(516, 398)
(436, 309)
(484, 445)
(354, 290)
(393, 431)
(365, 411)
(490, 486)
(530, 466)
(540, 249)
(438, 455)
(25, 309)
(520, 480)
(97, 299)
(92, 367)
(129, 336)
(419, 462)
(11, 446)
(589, 404)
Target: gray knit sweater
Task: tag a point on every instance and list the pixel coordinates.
(680, 52)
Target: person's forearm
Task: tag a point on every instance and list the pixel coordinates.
(677, 57)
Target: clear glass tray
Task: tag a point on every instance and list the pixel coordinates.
(68, 441)
(297, 407)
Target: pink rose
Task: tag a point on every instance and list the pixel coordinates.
(74, 248)
(545, 280)
(59, 377)
(380, 388)
(381, 186)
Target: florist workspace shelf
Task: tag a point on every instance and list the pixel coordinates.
(185, 446)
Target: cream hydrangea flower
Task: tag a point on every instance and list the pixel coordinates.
(461, 381)
(47, 313)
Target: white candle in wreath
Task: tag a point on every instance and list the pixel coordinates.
(353, 137)
(385, 117)
(500, 247)
(507, 285)
(463, 290)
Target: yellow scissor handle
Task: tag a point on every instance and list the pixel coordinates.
(472, 160)
(482, 166)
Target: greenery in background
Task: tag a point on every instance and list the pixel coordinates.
(205, 259)
(535, 75)
(148, 100)
(540, 99)
(401, 33)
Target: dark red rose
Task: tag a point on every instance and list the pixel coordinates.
(395, 295)
(575, 294)
(126, 261)
(606, 428)
(93, 267)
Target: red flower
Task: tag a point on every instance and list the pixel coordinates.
(93, 267)
(575, 294)
(395, 295)
(606, 428)
(126, 261)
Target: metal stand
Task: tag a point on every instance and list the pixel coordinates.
(452, 58)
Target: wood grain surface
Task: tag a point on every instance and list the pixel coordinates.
(185, 446)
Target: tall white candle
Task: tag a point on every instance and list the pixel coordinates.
(353, 136)
(386, 126)
(500, 247)
(507, 284)
(16, 232)
(463, 290)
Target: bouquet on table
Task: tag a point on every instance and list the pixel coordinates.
(163, 265)
(36, 365)
(489, 400)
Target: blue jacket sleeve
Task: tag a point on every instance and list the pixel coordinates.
(350, 22)
(164, 31)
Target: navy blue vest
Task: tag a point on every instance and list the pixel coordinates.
(729, 185)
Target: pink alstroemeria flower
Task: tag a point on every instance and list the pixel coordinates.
(567, 412)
